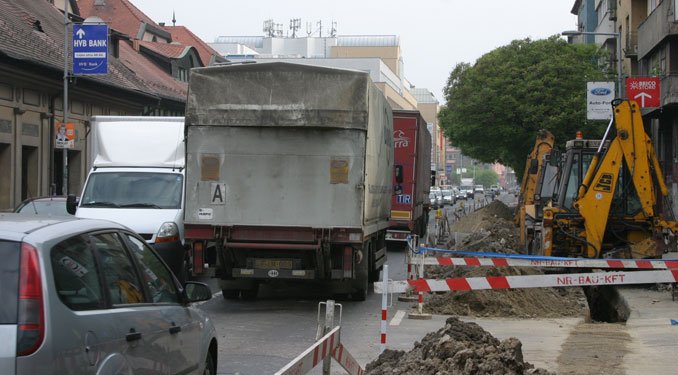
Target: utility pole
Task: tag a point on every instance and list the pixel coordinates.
(64, 187)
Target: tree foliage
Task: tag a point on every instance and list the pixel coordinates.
(495, 107)
(486, 177)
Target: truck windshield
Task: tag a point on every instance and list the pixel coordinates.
(133, 190)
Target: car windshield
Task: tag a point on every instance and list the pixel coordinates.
(466, 188)
(48, 206)
(133, 190)
(447, 193)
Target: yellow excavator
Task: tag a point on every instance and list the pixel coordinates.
(606, 203)
(526, 211)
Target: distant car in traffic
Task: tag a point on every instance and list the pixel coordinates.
(433, 198)
(90, 296)
(495, 189)
(468, 190)
(55, 205)
(448, 197)
(478, 189)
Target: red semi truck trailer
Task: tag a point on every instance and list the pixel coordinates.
(411, 177)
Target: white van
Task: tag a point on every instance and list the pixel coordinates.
(137, 179)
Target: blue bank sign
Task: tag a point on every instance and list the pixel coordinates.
(90, 49)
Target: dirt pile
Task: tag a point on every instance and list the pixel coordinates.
(457, 348)
(495, 231)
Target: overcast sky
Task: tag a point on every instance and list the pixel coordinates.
(435, 35)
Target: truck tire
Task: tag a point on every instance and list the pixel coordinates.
(361, 282)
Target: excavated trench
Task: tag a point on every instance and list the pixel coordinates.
(465, 348)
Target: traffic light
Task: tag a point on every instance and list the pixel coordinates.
(433, 178)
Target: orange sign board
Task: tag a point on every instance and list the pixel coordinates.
(64, 135)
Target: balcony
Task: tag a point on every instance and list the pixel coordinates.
(657, 26)
(669, 89)
(631, 44)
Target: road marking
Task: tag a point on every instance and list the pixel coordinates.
(397, 318)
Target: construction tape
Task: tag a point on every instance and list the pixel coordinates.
(530, 281)
(479, 254)
(551, 262)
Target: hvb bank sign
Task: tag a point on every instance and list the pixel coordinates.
(90, 49)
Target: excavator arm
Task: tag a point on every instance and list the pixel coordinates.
(630, 146)
(542, 146)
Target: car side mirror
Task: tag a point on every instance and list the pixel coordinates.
(197, 292)
(71, 204)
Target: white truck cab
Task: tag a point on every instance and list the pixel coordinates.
(137, 179)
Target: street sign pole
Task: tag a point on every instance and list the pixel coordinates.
(64, 187)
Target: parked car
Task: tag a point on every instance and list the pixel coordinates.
(82, 296)
(55, 205)
(448, 197)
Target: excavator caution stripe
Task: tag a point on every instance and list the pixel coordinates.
(530, 281)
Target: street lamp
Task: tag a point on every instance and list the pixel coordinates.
(619, 57)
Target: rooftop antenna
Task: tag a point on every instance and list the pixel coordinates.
(269, 28)
(278, 30)
(320, 27)
(295, 24)
(174, 18)
(309, 29)
(333, 30)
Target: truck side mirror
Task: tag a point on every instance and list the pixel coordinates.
(399, 174)
(71, 203)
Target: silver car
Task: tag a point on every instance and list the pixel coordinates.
(91, 297)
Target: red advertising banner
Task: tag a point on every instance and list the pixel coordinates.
(644, 90)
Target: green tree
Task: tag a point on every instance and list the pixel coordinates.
(495, 107)
(486, 177)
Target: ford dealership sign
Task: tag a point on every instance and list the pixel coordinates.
(599, 96)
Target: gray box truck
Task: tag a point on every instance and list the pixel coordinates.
(288, 176)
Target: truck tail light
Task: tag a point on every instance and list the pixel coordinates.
(31, 317)
(198, 257)
(348, 262)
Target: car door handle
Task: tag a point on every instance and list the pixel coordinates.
(174, 329)
(133, 335)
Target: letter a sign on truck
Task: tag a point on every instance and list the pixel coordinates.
(644, 90)
(90, 49)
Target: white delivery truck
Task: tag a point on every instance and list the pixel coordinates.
(137, 179)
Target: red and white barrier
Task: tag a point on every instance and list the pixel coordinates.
(564, 263)
(346, 360)
(531, 281)
(312, 356)
(328, 345)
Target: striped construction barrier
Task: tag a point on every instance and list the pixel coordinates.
(530, 281)
(328, 345)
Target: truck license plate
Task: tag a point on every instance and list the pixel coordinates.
(273, 264)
